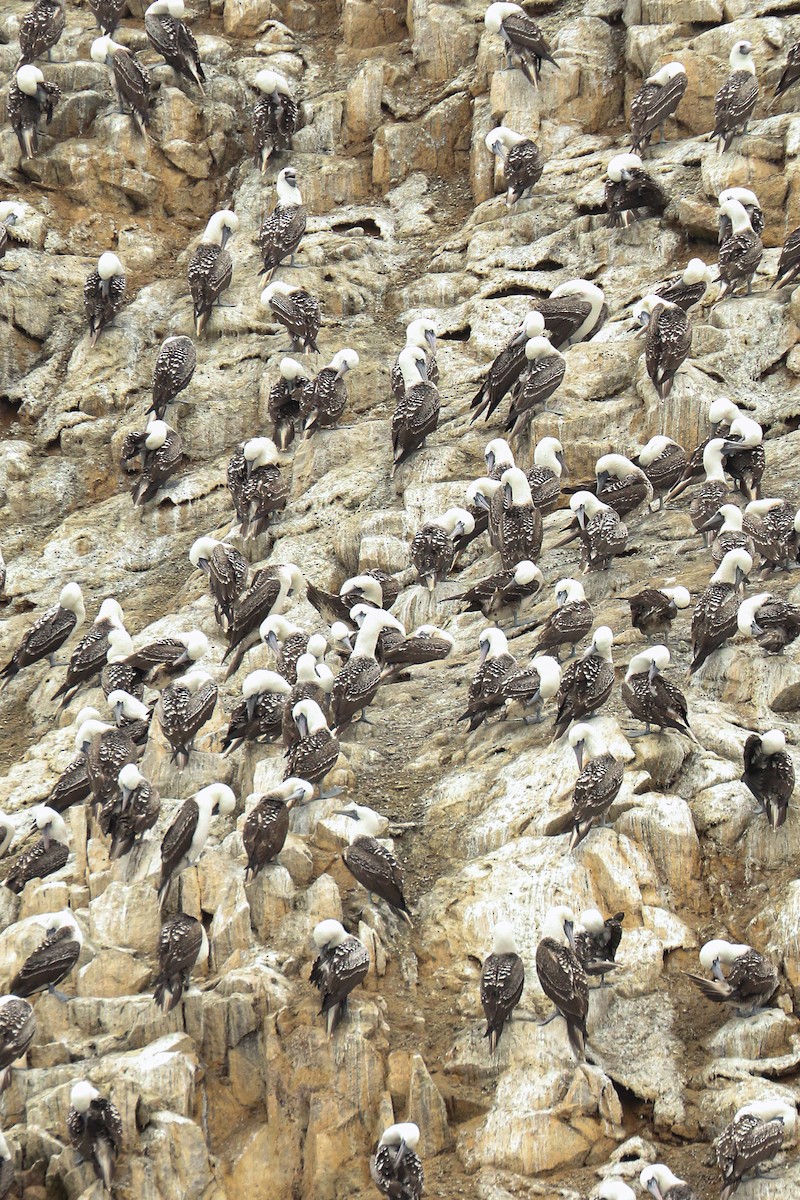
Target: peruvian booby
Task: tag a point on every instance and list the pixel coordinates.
(521, 159)
(72, 785)
(531, 686)
(356, 685)
(52, 960)
(288, 642)
(94, 1126)
(598, 782)
(502, 981)
(660, 1182)
(420, 335)
(654, 103)
(621, 484)
(523, 41)
(284, 401)
(714, 618)
(755, 1135)
(745, 457)
(730, 535)
(7, 1172)
(266, 826)
(714, 492)
(210, 268)
(504, 590)
(182, 945)
(88, 657)
(258, 487)
(668, 340)
(160, 452)
(138, 811)
(613, 1189)
(425, 644)
(740, 253)
(108, 13)
(752, 979)
(107, 750)
(736, 99)
(227, 570)
(314, 681)
(40, 29)
(538, 383)
(517, 533)
(118, 674)
(597, 940)
(791, 71)
(433, 548)
(544, 477)
(687, 287)
(373, 587)
(17, 1028)
(789, 262)
(342, 964)
(396, 1168)
(269, 590)
(486, 687)
(484, 498)
(663, 462)
(721, 413)
(600, 528)
(48, 633)
(10, 213)
(168, 654)
(173, 40)
(183, 708)
(416, 414)
(47, 855)
(654, 609)
(631, 194)
(586, 683)
(371, 863)
(561, 976)
(103, 294)
(297, 311)
(652, 698)
(172, 373)
(324, 399)
(569, 622)
(391, 635)
(259, 714)
(506, 369)
(773, 622)
(315, 754)
(282, 230)
(769, 774)
(273, 118)
(573, 312)
(749, 202)
(131, 84)
(183, 842)
(29, 99)
(772, 525)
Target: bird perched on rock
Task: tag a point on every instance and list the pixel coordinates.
(774, 623)
(506, 369)
(420, 335)
(356, 685)
(182, 945)
(342, 964)
(298, 311)
(621, 484)
(103, 294)
(730, 535)
(29, 99)
(600, 528)
(324, 399)
(745, 457)
(138, 811)
(17, 1029)
(160, 451)
(521, 159)
(654, 609)
(542, 379)
(749, 202)
(95, 1130)
(662, 1184)
(48, 854)
(52, 960)
(183, 842)
(755, 1135)
(396, 1168)
(316, 751)
(173, 40)
(269, 590)
(89, 656)
(10, 213)
(740, 253)
(486, 688)
(791, 71)
(769, 774)
(266, 826)
(273, 117)
(752, 979)
(282, 230)
(663, 462)
(544, 477)
(569, 622)
(523, 41)
(227, 571)
(433, 549)
(530, 686)
(108, 13)
(183, 708)
(372, 863)
(652, 698)
(668, 340)
(40, 30)
(506, 589)
(586, 683)
(417, 412)
(789, 262)
(654, 103)
(285, 399)
(597, 941)
(687, 287)
(715, 615)
(631, 194)
(562, 978)
(573, 312)
(257, 485)
(502, 981)
(48, 633)
(598, 783)
(736, 99)
(259, 714)
(516, 527)
(131, 85)
(211, 267)
(772, 524)
(172, 374)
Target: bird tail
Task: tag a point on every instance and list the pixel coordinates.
(164, 996)
(713, 989)
(493, 1033)
(576, 1032)
(5, 1079)
(29, 142)
(105, 1161)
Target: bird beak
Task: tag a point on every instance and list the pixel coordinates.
(561, 598)
(302, 725)
(715, 522)
(480, 501)
(490, 460)
(204, 565)
(741, 579)
(250, 705)
(568, 930)
(226, 233)
(484, 652)
(126, 795)
(459, 529)
(248, 468)
(578, 748)
(105, 284)
(272, 641)
(401, 1153)
(430, 338)
(654, 1189)
(581, 515)
(651, 674)
(602, 480)
(520, 338)
(562, 462)
(342, 371)
(756, 629)
(118, 713)
(46, 837)
(507, 491)
(347, 812)
(716, 970)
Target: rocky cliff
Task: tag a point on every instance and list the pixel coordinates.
(238, 1092)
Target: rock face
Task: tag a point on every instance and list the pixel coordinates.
(238, 1091)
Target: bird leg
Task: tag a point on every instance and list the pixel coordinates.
(641, 732)
(62, 996)
(555, 1013)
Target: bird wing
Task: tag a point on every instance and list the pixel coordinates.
(178, 838)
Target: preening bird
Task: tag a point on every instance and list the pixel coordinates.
(687, 287)
(17, 1029)
(259, 714)
(573, 312)
(182, 945)
(316, 751)
(586, 683)
(324, 399)
(523, 41)
(52, 960)
(562, 978)
(502, 981)
(396, 1168)
(131, 85)
(211, 267)
(621, 484)
(749, 202)
(172, 374)
(182, 710)
(48, 633)
(654, 609)
(569, 622)
(772, 524)
(769, 774)
(282, 230)
(342, 964)
(173, 40)
(486, 688)
(662, 1184)
(505, 590)
(160, 451)
(227, 572)
(740, 253)
(715, 616)
(103, 294)
(751, 981)
(258, 487)
(654, 103)
(631, 194)
(273, 117)
(183, 842)
(138, 810)
(663, 462)
(736, 99)
(521, 159)
(755, 1135)
(298, 311)
(95, 1130)
(29, 99)
(774, 623)
(597, 940)
(598, 783)
(652, 698)
(668, 340)
(433, 549)
(266, 826)
(285, 398)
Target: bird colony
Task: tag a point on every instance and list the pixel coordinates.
(400, 522)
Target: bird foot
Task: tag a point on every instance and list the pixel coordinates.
(555, 1013)
(330, 793)
(62, 996)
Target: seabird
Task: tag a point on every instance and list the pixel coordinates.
(416, 414)
(755, 1135)
(506, 369)
(211, 267)
(356, 685)
(752, 979)
(269, 590)
(183, 842)
(273, 117)
(257, 486)
(789, 263)
(160, 451)
(774, 623)
(714, 493)
(652, 698)
(613, 1189)
(517, 532)
(772, 525)
(173, 40)
(175, 366)
(740, 253)
(745, 457)
(586, 683)
(108, 13)
(721, 413)
(95, 1130)
(182, 945)
(655, 103)
(107, 750)
(494, 668)
(117, 674)
(10, 213)
(791, 71)
(597, 940)
(663, 462)
(749, 202)
(227, 571)
(395, 1168)
(530, 686)
(324, 400)
(137, 812)
(630, 193)
(597, 785)
(392, 634)
(72, 785)
(282, 230)
(288, 642)
(40, 29)
(315, 754)
(727, 521)
(621, 484)
(297, 311)
(769, 774)
(736, 99)
(561, 976)
(569, 622)
(131, 84)
(183, 708)
(259, 714)
(29, 99)
(663, 1185)
(426, 644)
(315, 682)
(284, 401)
(49, 633)
(687, 287)
(668, 340)
(521, 159)
(601, 530)
(654, 609)
(544, 477)
(7, 1172)
(484, 498)
(371, 863)
(168, 654)
(541, 380)
(88, 657)
(267, 824)
(714, 618)
(523, 41)
(342, 965)
(17, 1027)
(573, 312)
(51, 961)
(420, 335)
(504, 590)
(103, 294)
(433, 549)
(502, 981)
